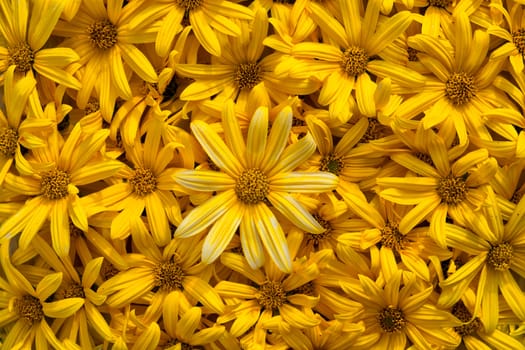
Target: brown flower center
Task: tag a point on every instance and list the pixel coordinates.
(425, 158)
(463, 314)
(108, 270)
(354, 61)
(8, 142)
(500, 256)
(29, 308)
(317, 238)
(103, 34)
(332, 163)
(252, 186)
(460, 88)
(143, 181)
(188, 5)
(439, 3)
(54, 184)
(391, 319)
(271, 295)
(306, 289)
(452, 190)
(22, 56)
(518, 37)
(183, 346)
(74, 290)
(247, 75)
(412, 54)
(168, 276)
(374, 131)
(392, 238)
(91, 107)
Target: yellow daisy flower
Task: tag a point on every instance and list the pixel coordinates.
(26, 26)
(496, 249)
(24, 309)
(399, 312)
(255, 174)
(102, 36)
(347, 57)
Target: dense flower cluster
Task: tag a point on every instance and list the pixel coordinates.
(225, 174)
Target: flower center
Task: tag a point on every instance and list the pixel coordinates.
(452, 190)
(271, 295)
(392, 238)
(463, 314)
(354, 61)
(29, 308)
(306, 289)
(412, 54)
(374, 131)
(143, 181)
(103, 34)
(332, 163)
(247, 75)
(317, 238)
(8, 142)
(22, 56)
(460, 88)
(518, 37)
(439, 3)
(500, 256)
(516, 197)
(108, 270)
(74, 290)
(91, 107)
(183, 346)
(168, 276)
(252, 186)
(188, 5)
(54, 184)
(391, 319)
(425, 158)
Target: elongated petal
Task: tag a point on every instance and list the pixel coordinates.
(63, 308)
(295, 212)
(48, 285)
(149, 339)
(304, 182)
(202, 291)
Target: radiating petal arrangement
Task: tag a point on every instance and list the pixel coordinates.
(262, 174)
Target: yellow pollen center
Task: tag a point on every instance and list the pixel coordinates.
(460, 88)
(8, 142)
(317, 238)
(54, 184)
(518, 37)
(247, 75)
(91, 107)
(463, 314)
(452, 190)
(332, 163)
(74, 290)
(500, 256)
(143, 181)
(103, 34)
(374, 131)
(169, 276)
(271, 295)
(391, 319)
(439, 3)
(108, 270)
(392, 238)
(22, 56)
(354, 61)
(252, 186)
(306, 289)
(188, 5)
(29, 308)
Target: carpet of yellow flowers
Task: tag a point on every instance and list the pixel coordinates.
(228, 174)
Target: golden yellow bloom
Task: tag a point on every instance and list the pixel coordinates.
(254, 173)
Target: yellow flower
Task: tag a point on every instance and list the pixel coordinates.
(26, 27)
(254, 175)
(103, 38)
(514, 35)
(51, 177)
(496, 251)
(25, 309)
(397, 312)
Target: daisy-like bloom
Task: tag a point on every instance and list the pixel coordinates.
(149, 185)
(452, 186)
(508, 186)
(50, 177)
(346, 58)
(514, 35)
(271, 293)
(461, 88)
(397, 311)
(241, 67)
(473, 334)
(102, 36)
(175, 269)
(255, 174)
(183, 328)
(16, 129)
(24, 309)
(26, 26)
(496, 250)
